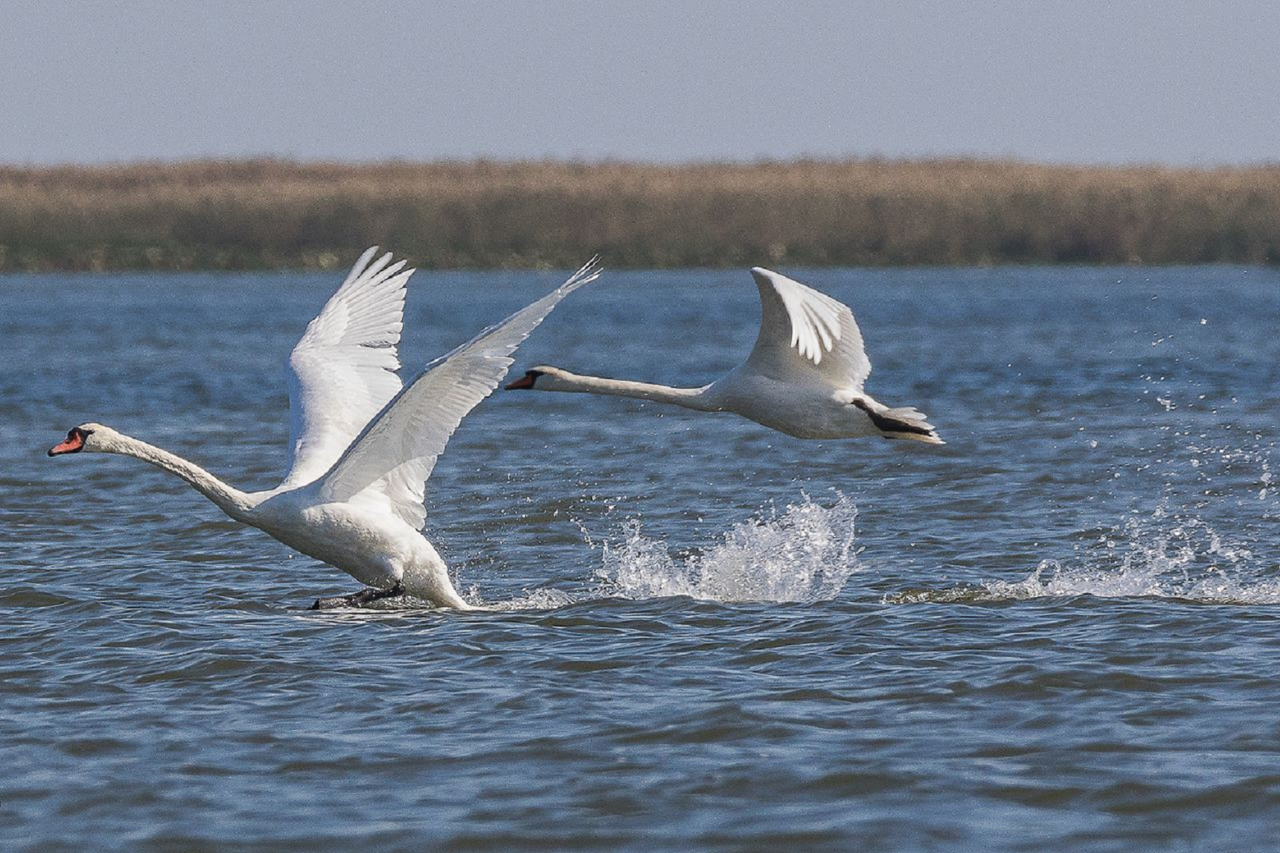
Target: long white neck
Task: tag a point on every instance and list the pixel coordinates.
(690, 398)
(229, 499)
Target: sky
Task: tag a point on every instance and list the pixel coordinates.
(1073, 81)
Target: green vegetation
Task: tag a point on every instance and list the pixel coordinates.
(258, 214)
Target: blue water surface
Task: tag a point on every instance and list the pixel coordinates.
(1057, 631)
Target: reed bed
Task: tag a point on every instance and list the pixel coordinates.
(259, 214)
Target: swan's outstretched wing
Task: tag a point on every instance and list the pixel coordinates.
(397, 451)
(804, 331)
(343, 371)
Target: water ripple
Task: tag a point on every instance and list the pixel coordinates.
(1056, 632)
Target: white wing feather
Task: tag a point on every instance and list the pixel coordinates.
(398, 450)
(802, 330)
(343, 370)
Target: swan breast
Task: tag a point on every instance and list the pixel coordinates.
(373, 546)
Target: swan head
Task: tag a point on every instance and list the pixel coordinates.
(90, 438)
(546, 378)
(529, 380)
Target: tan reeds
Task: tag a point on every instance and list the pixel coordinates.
(256, 214)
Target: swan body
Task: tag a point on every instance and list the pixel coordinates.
(804, 377)
(361, 445)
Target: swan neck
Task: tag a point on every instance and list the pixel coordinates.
(229, 499)
(690, 398)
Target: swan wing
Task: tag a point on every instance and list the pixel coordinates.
(398, 449)
(343, 370)
(803, 332)
(404, 489)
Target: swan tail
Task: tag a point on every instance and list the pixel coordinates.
(906, 422)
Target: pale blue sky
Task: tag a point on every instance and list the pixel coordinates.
(1110, 81)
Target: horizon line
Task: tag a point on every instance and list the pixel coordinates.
(641, 162)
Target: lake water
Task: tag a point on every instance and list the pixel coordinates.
(1059, 631)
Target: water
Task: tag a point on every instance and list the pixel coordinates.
(1056, 632)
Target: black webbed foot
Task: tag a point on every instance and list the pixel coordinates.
(359, 599)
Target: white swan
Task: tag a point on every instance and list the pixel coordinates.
(804, 377)
(361, 447)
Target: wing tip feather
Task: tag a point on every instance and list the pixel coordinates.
(587, 273)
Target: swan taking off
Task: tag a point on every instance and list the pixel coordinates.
(361, 447)
(804, 377)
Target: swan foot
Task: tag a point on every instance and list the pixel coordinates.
(359, 599)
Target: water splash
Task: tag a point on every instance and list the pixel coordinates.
(1157, 557)
(1217, 587)
(804, 553)
(1208, 480)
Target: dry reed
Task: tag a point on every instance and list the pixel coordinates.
(256, 214)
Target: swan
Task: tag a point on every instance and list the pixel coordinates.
(361, 447)
(804, 376)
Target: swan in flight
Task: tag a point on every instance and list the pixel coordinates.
(803, 377)
(361, 447)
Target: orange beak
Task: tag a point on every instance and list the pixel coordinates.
(525, 381)
(74, 442)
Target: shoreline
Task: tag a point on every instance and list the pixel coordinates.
(271, 214)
